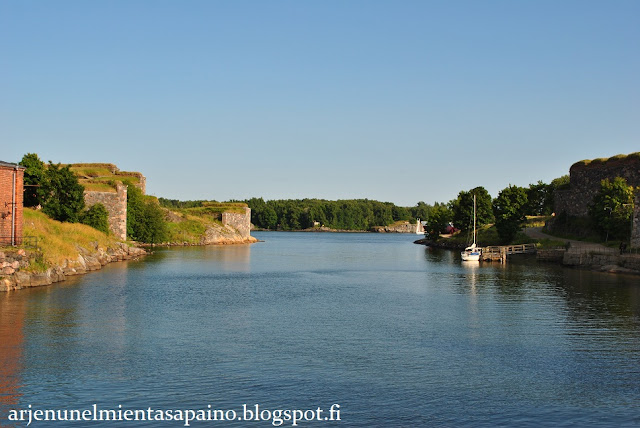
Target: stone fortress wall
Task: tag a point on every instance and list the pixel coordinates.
(584, 184)
(239, 221)
(114, 199)
(116, 205)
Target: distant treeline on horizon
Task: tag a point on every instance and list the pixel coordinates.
(298, 214)
(365, 214)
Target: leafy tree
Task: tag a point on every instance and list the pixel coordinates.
(145, 218)
(97, 217)
(560, 182)
(155, 225)
(612, 208)
(537, 198)
(438, 219)
(556, 184)
(257, 206)
(462, 208)
(62, 195)
(174, 203)
(421, 210)
(353, 214)
(316, 213)
(400, 213)
(267, 218)
(34, 176)
(135, 213)
(509, 209)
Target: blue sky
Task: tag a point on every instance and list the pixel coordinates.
(399, 101)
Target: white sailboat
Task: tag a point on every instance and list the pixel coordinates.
(419, 227)
(472, 252)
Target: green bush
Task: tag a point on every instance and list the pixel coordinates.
(145, 218)
(63, 195)
(97, 217)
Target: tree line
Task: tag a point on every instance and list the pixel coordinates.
(610, 212)
(56, 190)
(351, 214)
(507, 211)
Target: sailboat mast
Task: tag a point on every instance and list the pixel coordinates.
(474, 219)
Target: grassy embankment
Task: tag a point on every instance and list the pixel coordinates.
(190, 224)
(488, 236)
(58, 241)
(103, 177)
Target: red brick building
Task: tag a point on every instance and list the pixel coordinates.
(11, 193)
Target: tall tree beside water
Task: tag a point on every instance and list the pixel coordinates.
(439, 217)
(462, 208)
(145, 218)
(509, 209)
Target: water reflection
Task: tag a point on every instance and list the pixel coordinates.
(438, 255)
(231, 258)
(304, 319)
(11, 351)
(594, 297)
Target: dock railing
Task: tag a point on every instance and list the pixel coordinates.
(511, 249)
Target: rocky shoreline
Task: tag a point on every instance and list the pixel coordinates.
(610, 262)
(213, 235)
(15, 277)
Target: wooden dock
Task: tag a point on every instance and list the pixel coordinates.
(500, 253)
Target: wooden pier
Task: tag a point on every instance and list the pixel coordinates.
(500, 253)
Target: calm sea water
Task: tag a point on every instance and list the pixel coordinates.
(397, 334)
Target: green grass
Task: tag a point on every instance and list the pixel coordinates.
(602, 161)
(536, 221)
(194, 221)
(57, 241)
(97, 187)
(213, 209)
(100, 177)
(90, 171)
(487, 236)
(190, 230)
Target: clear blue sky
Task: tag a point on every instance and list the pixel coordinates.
(399, 101)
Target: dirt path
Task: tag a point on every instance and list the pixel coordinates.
(536, 233)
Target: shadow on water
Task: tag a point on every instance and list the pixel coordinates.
(438, 255)
(598, 296)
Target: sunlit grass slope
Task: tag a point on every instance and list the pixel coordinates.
(59, 241)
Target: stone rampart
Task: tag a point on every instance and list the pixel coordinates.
(584, 183)
(239, 221)
(635, 230)
(116, 205)
(585, 178)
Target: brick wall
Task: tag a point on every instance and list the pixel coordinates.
(8, 176)
(116, 205)
(239, 221)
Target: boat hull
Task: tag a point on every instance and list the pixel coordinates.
(470, 257)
